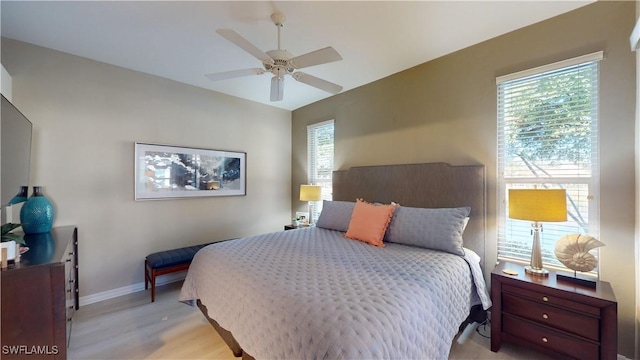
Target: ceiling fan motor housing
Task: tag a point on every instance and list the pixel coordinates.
(280, 64)
(278, 18)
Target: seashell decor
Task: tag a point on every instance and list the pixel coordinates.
(573, 251)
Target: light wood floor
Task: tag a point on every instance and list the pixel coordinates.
(131, 327)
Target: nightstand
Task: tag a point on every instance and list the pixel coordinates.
(560, 319)
(293, 227)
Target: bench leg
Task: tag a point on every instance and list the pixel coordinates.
(146, 275)
(153, 285)
(150, 275)
(150, 278)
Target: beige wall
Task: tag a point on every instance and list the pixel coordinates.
(5, 83)
(86, 117)
(445, 110)
(637, 148)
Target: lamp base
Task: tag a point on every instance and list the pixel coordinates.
(536, 272)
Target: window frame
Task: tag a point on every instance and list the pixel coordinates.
(504, 182)
(315, 207)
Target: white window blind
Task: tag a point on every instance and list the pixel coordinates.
(320, 144)
(548, 139)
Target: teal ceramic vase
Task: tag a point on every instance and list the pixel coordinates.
(21, 196)
(41, 248)
(37, 214)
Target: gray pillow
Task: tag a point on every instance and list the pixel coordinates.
(335, 215)
(436, 229)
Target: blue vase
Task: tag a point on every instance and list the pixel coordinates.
(21, 196)
(42, 247)
(36, 215)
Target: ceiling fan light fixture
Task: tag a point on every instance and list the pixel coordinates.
(277, 88)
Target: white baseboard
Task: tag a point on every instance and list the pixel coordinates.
(126, 290)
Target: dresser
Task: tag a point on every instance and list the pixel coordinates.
(560, 319)
(39, 296)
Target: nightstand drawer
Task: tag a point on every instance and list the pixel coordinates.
(555, 317)
(550, 339)
(551, 300)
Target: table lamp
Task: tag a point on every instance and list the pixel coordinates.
(310, 193)
(537, 205)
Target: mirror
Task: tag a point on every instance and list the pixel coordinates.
(15, 151)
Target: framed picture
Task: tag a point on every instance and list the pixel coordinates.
(303, 216)
(168, 172)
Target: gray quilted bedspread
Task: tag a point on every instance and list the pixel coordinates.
(312, 294)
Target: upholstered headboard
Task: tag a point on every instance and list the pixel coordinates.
(431, 185)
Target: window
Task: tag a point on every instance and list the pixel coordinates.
(548, 138)
(320, 141)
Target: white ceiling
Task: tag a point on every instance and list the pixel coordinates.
(177, 39)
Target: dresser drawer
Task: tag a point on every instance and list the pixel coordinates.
(71, 285)
(551, 300)
(558, 318)
(550, 339)
(70, 310)
(70, 282)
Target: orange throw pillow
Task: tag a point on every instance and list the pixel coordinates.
(369, 222)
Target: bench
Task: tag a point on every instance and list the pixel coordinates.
(166, 262)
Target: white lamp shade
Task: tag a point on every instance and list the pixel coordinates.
(310, 193)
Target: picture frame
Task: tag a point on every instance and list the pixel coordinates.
(303, 216)
(173, 172)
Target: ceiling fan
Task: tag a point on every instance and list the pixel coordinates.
(280, 63)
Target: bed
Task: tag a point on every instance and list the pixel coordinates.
(312, 293)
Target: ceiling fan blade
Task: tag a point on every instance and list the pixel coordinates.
(317, 57)
(277, 88)
(234, 74)
(244, 44)
(317, 82)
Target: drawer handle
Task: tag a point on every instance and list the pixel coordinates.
(545, 340)
(71, 253)
(69, 260)
(72, 281)
(545, 316)
(545, 299)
